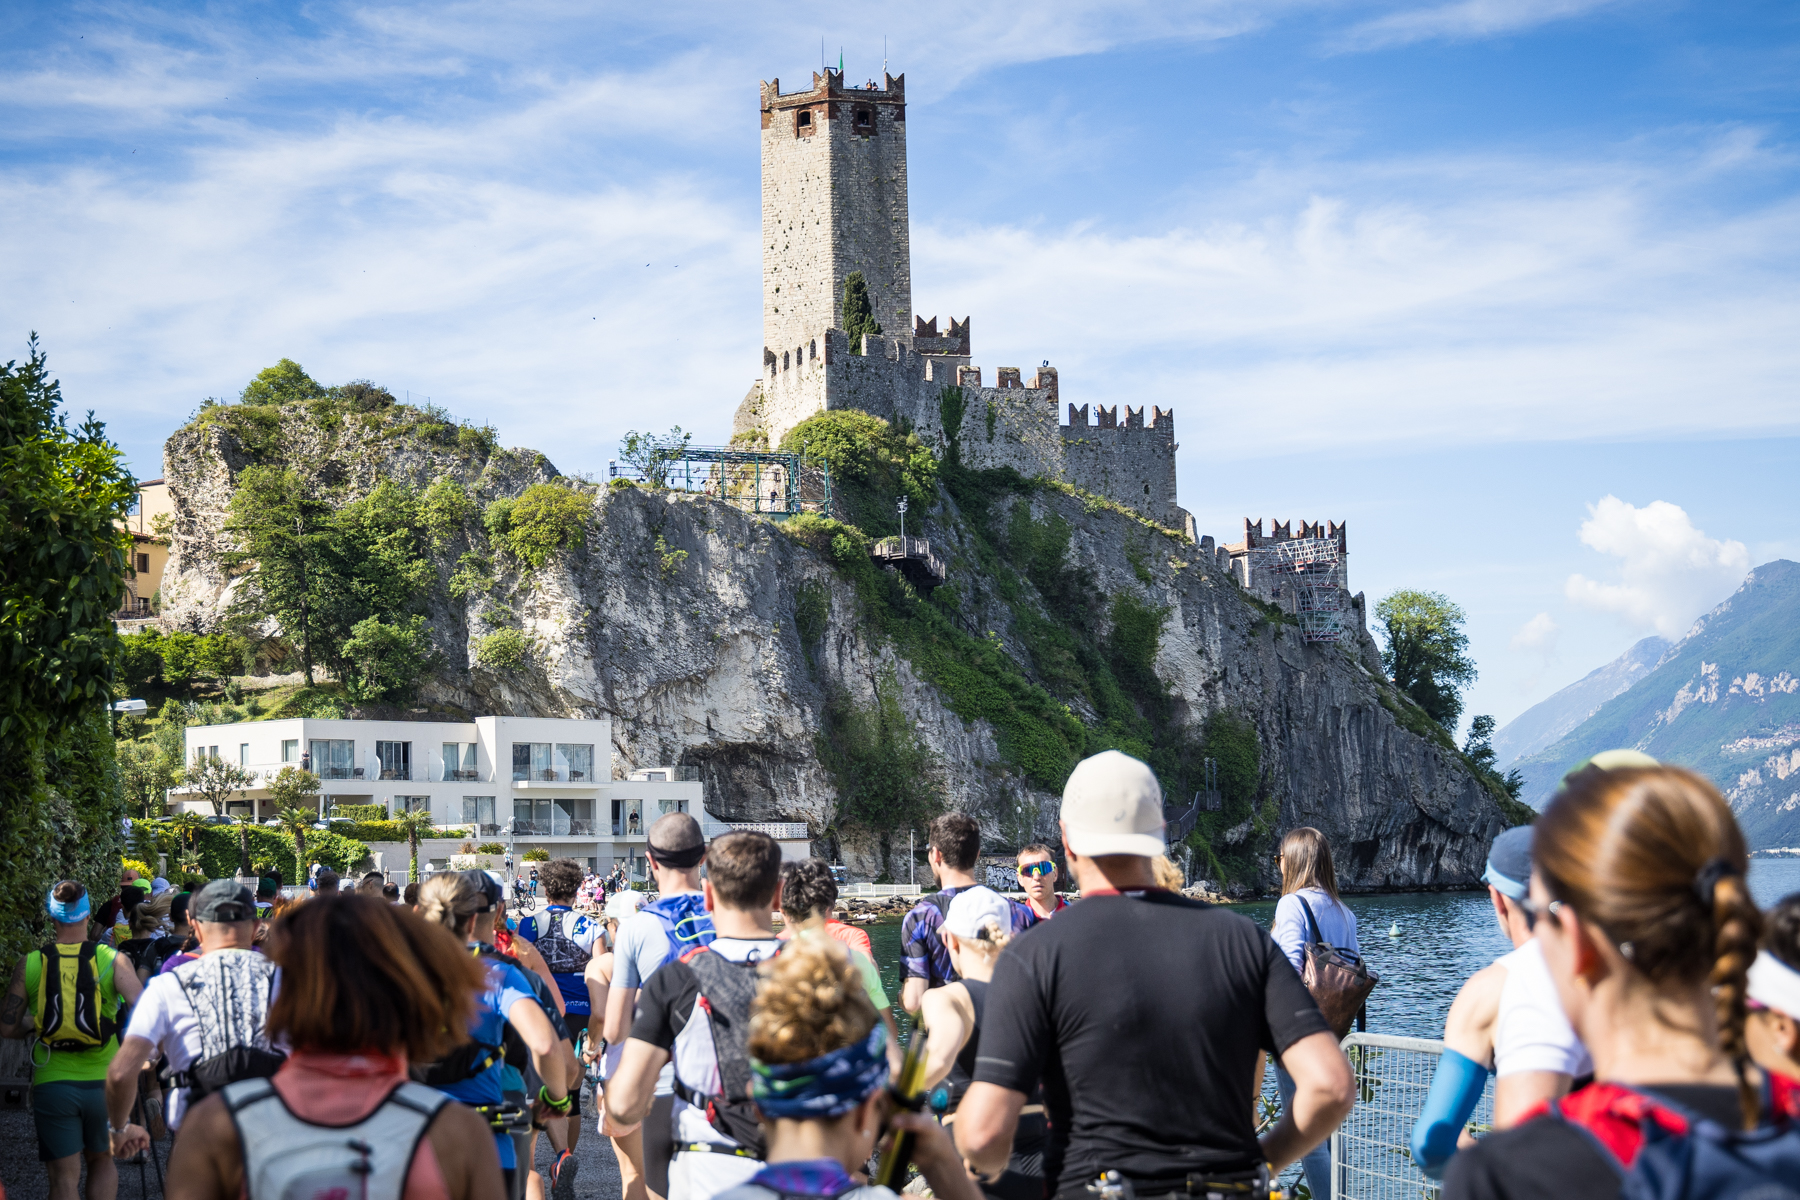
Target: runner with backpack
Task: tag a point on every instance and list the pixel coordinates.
(1648, 930)
(564, 937)
(67, 995)
(475, 1072)
(369, 988)
(205, 1019)
(695, 1014)
(675, 922)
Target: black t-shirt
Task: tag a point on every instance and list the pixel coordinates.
(1141, 1014)
(1550, 1157)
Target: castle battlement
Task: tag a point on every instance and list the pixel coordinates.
(835, 203)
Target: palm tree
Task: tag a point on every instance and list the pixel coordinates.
(414, 823)
(244, 821)
(297, 821)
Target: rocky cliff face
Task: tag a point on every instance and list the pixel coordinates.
(678, 617)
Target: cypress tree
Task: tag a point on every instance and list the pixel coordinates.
(859, 316)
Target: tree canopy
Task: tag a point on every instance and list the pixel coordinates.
(1425, 651)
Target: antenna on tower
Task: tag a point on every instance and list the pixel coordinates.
(884, 55)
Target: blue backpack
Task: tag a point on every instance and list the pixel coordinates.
(684, 920)
(1681, 1155)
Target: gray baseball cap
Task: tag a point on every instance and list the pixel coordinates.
(223, 902)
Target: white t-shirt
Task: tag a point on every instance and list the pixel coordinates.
(164, 1018)
(1531, 1031)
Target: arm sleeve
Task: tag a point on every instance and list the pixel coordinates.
(1015, 1027)
(1289, 930)
(664, 1005)
(1455, 1091)
(1288, 1008)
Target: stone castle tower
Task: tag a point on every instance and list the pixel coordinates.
(834, 201)
(834, 195)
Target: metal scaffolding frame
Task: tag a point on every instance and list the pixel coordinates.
(1314, 567)
(769, 483)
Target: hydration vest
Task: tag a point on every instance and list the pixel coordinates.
(684, 920)
(726, 991)
(68, 996)
(550, 932)
(1663, 1151)
(288, 1158)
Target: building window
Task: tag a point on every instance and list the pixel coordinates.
(143, 563)
(531, 760)
(334, 758)
(803, 122)
(479, 812)
(564, 816)
(395, 759)
(627, 818)
(574, 763)
(865, 119)
(243, 754)
(407, 804)
(459, 761)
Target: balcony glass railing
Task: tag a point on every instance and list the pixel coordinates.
(551, 775)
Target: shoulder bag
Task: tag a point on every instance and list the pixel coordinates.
(1338, 979)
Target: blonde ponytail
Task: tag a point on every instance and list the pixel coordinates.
(449, 898)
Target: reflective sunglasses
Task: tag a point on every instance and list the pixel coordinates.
(1533, 910)
(1039, 869)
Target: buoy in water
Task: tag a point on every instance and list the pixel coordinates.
(1394, 929)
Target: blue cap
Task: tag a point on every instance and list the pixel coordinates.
(1509, 863)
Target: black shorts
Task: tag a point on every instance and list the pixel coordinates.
(659, 1144)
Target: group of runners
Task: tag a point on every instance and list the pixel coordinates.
(1644, 1032)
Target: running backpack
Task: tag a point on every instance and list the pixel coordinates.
(726, 991)
(230, 994)
(288, 1158)
(684, 920)
(68, 996)
(562, 953)
(1663, 1151)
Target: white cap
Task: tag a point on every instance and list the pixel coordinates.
(1112, 804)
(971, 911)
(1775, 984)
(620, 905)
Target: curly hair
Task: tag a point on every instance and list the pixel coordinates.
(811, 1002)
(1628, 849)
(807, 889)
(561, 878)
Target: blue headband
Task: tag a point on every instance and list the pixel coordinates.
(823, 1087)
(67, 913)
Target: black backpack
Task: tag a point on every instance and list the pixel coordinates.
(562, 954)
(728, 989)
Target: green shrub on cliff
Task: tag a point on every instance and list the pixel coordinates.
(548, 518)
(872, 465)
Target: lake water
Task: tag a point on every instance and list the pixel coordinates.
(1443, 939)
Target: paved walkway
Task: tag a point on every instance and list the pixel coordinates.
(24, 1178)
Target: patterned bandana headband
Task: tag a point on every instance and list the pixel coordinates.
(823, 1087)
(67, 913)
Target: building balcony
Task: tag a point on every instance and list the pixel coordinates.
(554, 775)
(573, 827)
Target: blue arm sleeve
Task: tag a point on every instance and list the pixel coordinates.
(1455, 1091)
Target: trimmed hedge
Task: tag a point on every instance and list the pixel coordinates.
(217, 848)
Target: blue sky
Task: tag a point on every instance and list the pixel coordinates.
(1508, 285)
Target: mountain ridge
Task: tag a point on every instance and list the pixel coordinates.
(1549, 719)
(1723, 700)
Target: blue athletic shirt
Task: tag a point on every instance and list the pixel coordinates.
(506, 986)
(584, 931)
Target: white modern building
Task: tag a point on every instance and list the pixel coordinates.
(529, 782)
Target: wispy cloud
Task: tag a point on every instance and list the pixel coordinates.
(1669, 572)
(1464, 20)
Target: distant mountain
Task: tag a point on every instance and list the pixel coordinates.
(1548, 720)
(1724, 700)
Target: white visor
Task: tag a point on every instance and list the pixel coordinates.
(1775, 984)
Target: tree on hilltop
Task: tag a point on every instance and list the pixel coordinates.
(283, 383)
(1426, 651)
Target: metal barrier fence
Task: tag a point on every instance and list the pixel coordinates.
(871, 891)
(1370, 1159)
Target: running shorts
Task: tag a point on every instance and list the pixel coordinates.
(70, 1115)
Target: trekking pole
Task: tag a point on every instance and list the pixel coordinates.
(908, 1091)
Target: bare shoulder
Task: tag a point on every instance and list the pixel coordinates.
(207, 1161)
(1469, 1028)
(464, 1146)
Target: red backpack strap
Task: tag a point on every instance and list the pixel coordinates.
(688, 956)
(1781, 1096)
(1614, 1115)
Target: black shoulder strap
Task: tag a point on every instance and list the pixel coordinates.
(1312, 922)
(729, 989)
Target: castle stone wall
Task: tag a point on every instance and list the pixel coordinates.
(834, 201)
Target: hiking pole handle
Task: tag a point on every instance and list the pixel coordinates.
(908, 1091)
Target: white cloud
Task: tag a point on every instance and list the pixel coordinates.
(1537, 636)
(1464, 20)
(1669, 571)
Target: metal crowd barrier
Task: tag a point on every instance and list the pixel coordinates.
(1369, 1155)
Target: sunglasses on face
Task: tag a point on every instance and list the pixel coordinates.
(1533, 910)
(1037, 870)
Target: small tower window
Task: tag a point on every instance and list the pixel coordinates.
(803, 123)
(805, 117)
(784, 360)
(864, 119)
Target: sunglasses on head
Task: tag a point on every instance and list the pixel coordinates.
(1037, 870)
